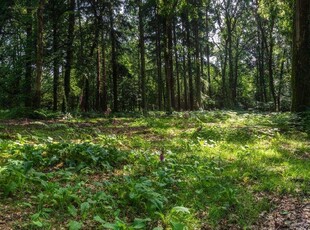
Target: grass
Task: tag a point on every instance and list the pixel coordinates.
(221, 169)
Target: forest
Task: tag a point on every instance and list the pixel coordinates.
(154, 114)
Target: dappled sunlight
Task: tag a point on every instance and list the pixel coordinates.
(214, 165)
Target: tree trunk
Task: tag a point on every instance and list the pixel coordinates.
(230, 99)
(280, 82)
(142, 57)
(69, 54)
(28, 57)
(56, 59)
(208, 50)
(177, 68)
(114, 61)
(104, 94)
(301, 57)
(98, 83)
(170, 55)
(158, 60)
(39, 61)
(270, 65)
(167, 65)
(189, 63)
(197, 66)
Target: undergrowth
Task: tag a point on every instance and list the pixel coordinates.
(184, 171)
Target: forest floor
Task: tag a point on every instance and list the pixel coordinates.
(202, 170)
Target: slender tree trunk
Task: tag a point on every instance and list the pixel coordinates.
(159, 69)
(235, 76)
(56, 59)
(69, 54)
(167, 64)
(177, 68)
(262, 48)
(270, 65)
(224, 68)
(185, 81)
(39, 61)
(208, 50)
(230, 99)
(197, 66)
(98, 83)
(28, 56)
(280, 82)
(114, 61)
(262, 70)
(142, 57)
(104, 93)
(189, 64)
(301, 57)
(86, 94)
(170, 56)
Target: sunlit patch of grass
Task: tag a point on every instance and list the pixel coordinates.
(213, 167)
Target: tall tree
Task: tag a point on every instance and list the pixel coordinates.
(69, 54)
(39, 60)
(28, 56)
(113, 58)
(301, 57)
(142, 55)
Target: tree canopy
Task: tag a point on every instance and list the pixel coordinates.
(91, 55)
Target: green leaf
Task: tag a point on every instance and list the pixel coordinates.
(181, 209)
(38, 223)
(110, 226)
(72, 210)
(84, 207)
(74, 225)
(140, 223)
(177, 225)
(99, 219)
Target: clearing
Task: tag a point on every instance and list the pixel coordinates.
(201, 170)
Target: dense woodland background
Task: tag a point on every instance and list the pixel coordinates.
(129, 55)
(88, 134)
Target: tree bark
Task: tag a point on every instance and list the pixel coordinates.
(98, 79)
(69, 54)
(28, 57)
(177, 68)
(142, 57)
(208, 50)
(301, 57)
(158, 60)
(189, 64)
(39, 61)
(104, 94)
(56, 58)
(197, 66)
(114, 61)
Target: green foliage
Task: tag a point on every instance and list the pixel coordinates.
(215, 167)
(22, 112)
